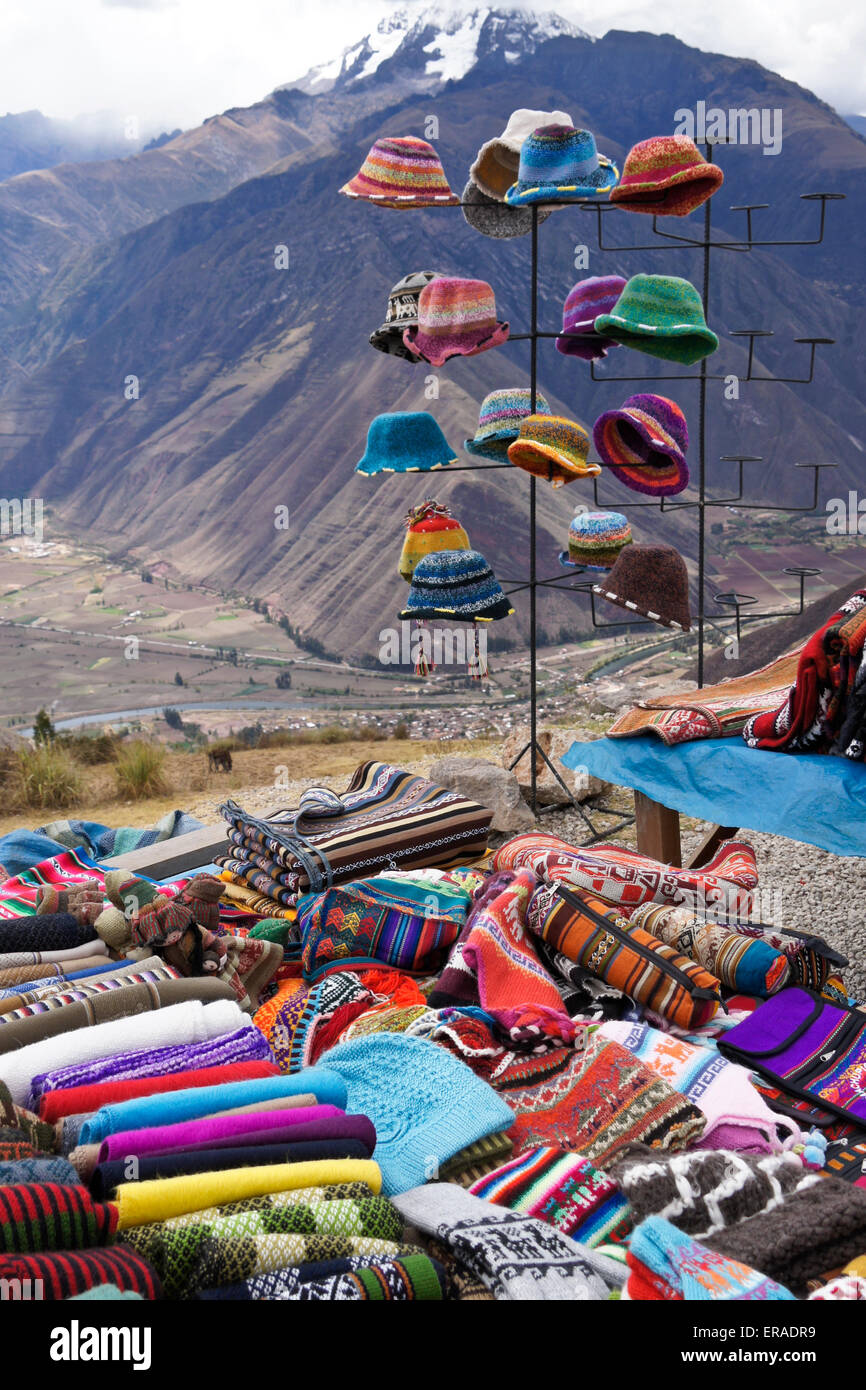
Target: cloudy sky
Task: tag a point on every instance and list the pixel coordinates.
(172, 62)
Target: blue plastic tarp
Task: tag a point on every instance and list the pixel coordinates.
(811, 797)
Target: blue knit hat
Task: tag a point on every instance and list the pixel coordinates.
(405, 442)
(426, 1105)
(561, 164)
(458, 585)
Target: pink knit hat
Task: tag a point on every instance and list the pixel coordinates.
(456, 318)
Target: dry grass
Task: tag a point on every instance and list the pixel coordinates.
(46, 778)
(139, 771)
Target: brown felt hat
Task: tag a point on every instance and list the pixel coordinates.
(651, 581)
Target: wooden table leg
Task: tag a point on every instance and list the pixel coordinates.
(658, 830)
(716, 836)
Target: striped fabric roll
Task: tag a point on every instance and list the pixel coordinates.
(52, 1216)
(63, 1274)
(563, 1189)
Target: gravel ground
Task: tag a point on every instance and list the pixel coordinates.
(799, 886)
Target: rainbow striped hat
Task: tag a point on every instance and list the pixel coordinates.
(456, 318)
(402, 172)
(644, 444)
(561, 164)
(554, 448)
(499, 421)
(595, 539)
(666, 175)
(589, 298)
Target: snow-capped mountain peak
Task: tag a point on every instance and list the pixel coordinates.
(440, 42)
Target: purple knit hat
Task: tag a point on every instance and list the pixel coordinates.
(585, 302)
(644, 444)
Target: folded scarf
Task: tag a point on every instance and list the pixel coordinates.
(56, 932)
(49, 1216)
(15, 1120)
(107, 1177)
(93, 993)
(666, 1264)
(179, 1106)
(187, 1022)
(141, 1202)
(64, 1274)
(64, 958)
(364, 1279)
(563, 1189)
(178, 1250)
(46, 1169)
(81, 1100)
(266, 1127)
(225, 1260)
(243, 1044)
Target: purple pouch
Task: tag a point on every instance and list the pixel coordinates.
(807, 1047)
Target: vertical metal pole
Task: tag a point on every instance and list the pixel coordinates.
(533, 662)
(702, 442)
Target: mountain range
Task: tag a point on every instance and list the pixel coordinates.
(256, 384)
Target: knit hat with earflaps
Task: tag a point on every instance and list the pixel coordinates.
(402, 313)
(596, 295)
(402, 172)
(425, 1104)
(429, 527)
(457, 585)
(662, 315)
(595, 540)
(499, 420)
(497, 161)
(560, 164)
(456, 318)
(667, 176)
(494, 218)
(652, 582)
(553, 448)
(644, 444)
(405, 442)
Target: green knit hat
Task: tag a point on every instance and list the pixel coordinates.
(662, 315)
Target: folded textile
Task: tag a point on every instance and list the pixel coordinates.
(19, 896)
(64, 958)
(186, 1022)
(624, 878)
(425, 1104)
(595, 1100)
(388, 920)
(51, 1216)
(189, 1255)
(54, 997)
(812, 713)
(517, 1257)
(15, 1120)
(56, 932)
(362, 1279)
(77, 1100)
(666, 1264)
(242, 1044)
(385, 818)
(814, 1233)
(141, 1202)
(266, 1127)
(847, 1286)
(178, 1106)
(810, 959)
(721, 1090)
(702, 1193)
(63, 1274)
(107, 1177)
(112, 1006)
(565, 1190)
(24, 848)
(49, 1168)
(477, 1160)
(740, 963)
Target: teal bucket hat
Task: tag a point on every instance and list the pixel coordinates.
(405, 442)
(561, 164)
(662, 315)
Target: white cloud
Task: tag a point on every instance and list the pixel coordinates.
(174, 62)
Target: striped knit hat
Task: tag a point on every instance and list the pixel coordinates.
(662, 315)
(499, 421)
(429, 527)
(402, 313)
(402, 172)
(644, 444)
(652, 582)
(456, 318)
(563, 1189)
(497, 161)
(560, 164)
(595, 539)
(458, 585)
(666, 175)
(405, 442)
(553, 448)
(585, 302)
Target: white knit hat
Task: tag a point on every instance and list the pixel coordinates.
(497, 162)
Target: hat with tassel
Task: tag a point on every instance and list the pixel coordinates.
(429, 527)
